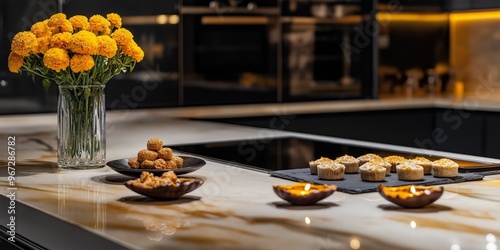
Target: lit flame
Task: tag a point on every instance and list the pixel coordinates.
(413, 224)
(308, 221)
(308, 186)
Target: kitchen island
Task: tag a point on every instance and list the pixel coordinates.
(235, 208)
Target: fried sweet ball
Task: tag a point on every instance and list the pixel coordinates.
(171, 164)
(155, 144)
(148, 164)
(178, 161)
(160, 164)
(165, 153)
(134, 163)
(146, 155)
(170, 176)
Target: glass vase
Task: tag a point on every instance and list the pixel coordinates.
(81, 134)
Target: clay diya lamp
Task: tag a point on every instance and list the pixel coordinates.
(411, 196)
(304, 193)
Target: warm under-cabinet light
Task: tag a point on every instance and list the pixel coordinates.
(474, 16)
(412, 17)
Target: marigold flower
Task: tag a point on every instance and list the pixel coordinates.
(58, 24)
(122, 36)
(15, 62)
(79, 22)
(43, 44)
(24, 43)
(99, 25)
(56, 19)
(56, 59)
(60, 40)
(107, 46)
(79, 63)
(84, 42)
(134, 51)
(115, 20)
(41, 29)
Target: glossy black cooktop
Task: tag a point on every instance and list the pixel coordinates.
(269, 154)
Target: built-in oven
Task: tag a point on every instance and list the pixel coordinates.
(328, 49)
(229, 51)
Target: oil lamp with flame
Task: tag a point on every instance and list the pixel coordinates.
(304, 193)
(411, 196)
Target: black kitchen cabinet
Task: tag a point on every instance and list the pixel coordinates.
(436, 5)
(492, 135)
(400, 127)
(459, 130)
(453, 5)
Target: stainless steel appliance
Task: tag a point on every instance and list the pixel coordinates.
(229, 51)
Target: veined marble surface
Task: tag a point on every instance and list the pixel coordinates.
(235, 208)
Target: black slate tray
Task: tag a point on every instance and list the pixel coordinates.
(353, 184)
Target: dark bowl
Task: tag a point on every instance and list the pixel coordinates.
(189, 165)
(402, 196)
(291, 193)
(168, 192)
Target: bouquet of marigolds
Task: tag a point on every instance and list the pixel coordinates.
(75, 51)
(80, 55)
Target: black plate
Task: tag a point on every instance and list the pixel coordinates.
(190, 164)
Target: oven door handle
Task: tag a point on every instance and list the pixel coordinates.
(262, 11)
(235, 20)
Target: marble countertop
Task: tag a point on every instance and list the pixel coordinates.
(471, 103)
(234, 209)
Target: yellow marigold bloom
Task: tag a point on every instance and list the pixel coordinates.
(84, 42)
(115, 20)
(24, 43)
(107, 46)
(15, 62)
(56, 59)
(79, 63)
(41, 29)
(58, 24)
(122, 36)
(56, 19)
(99, 25)
(43, 44)
(79, 22)
(66, 27)
(60, 40)
(134, 51)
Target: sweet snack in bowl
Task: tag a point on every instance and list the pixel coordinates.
(155, 156)
(166, 187)
(303, 193)
(411, 196)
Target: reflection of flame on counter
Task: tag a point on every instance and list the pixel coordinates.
(160, 227)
